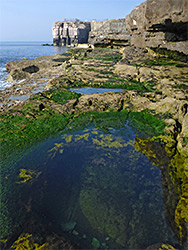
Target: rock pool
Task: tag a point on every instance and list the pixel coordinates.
(89, 185)
(91, 90)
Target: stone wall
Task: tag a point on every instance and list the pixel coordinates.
(159, 23)
(108, 33)
(70, 32)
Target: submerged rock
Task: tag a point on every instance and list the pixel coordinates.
(95, 243)
(69, 226)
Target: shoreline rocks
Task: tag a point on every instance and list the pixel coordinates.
(159, 24)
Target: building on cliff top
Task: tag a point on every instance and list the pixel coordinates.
(70, 32)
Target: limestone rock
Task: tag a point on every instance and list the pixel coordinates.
(109, 33)
(159, 23)
(70, 32)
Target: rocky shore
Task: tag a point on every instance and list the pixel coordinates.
(151, 84)
(149, 65)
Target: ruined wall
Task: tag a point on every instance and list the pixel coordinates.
(108, 33)
(159, 23)
(70, 33)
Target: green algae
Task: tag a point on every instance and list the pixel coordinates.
(62, 96)
(175, 55)
(110, 203)
(57, 95)
(174, 172)
(17, 132)
(31, 125)
(114, 82)
(95, 243)
(147, 123)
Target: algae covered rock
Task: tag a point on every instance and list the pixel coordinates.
(17, 75)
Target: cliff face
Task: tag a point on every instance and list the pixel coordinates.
(108, 33)
(159, 23)
(70, 32)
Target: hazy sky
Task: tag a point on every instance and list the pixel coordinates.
(32, 20)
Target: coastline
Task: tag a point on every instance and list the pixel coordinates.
(155, 94)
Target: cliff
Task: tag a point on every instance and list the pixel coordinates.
(109, 33)
(70, 32)
(159, 23)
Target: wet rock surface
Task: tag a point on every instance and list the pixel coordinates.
(150, 83)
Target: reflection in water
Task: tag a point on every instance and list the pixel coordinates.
(91, 187)
(90, 90)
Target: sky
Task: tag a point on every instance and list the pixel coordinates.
(32, 20)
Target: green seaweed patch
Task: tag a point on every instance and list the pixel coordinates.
(95, 243)
(59, 95)
(111, 119)
(146, 123)
(175, 55)
(102, 120)
(181, 216)
(62, 96)
(19, 132)
(115, 82)
(181, 86)
(164, 62)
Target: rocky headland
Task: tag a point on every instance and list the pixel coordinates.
(147, 59)
(70, 33)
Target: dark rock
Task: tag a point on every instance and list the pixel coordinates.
(31, 69)
(18, 75)
(41, 107)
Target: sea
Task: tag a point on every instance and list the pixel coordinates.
(12, 51)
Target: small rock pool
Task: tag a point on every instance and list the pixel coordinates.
(90, 185)
(91, 90)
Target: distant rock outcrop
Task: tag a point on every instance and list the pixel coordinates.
(70, 32)
(108, 33)
(159, 23)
